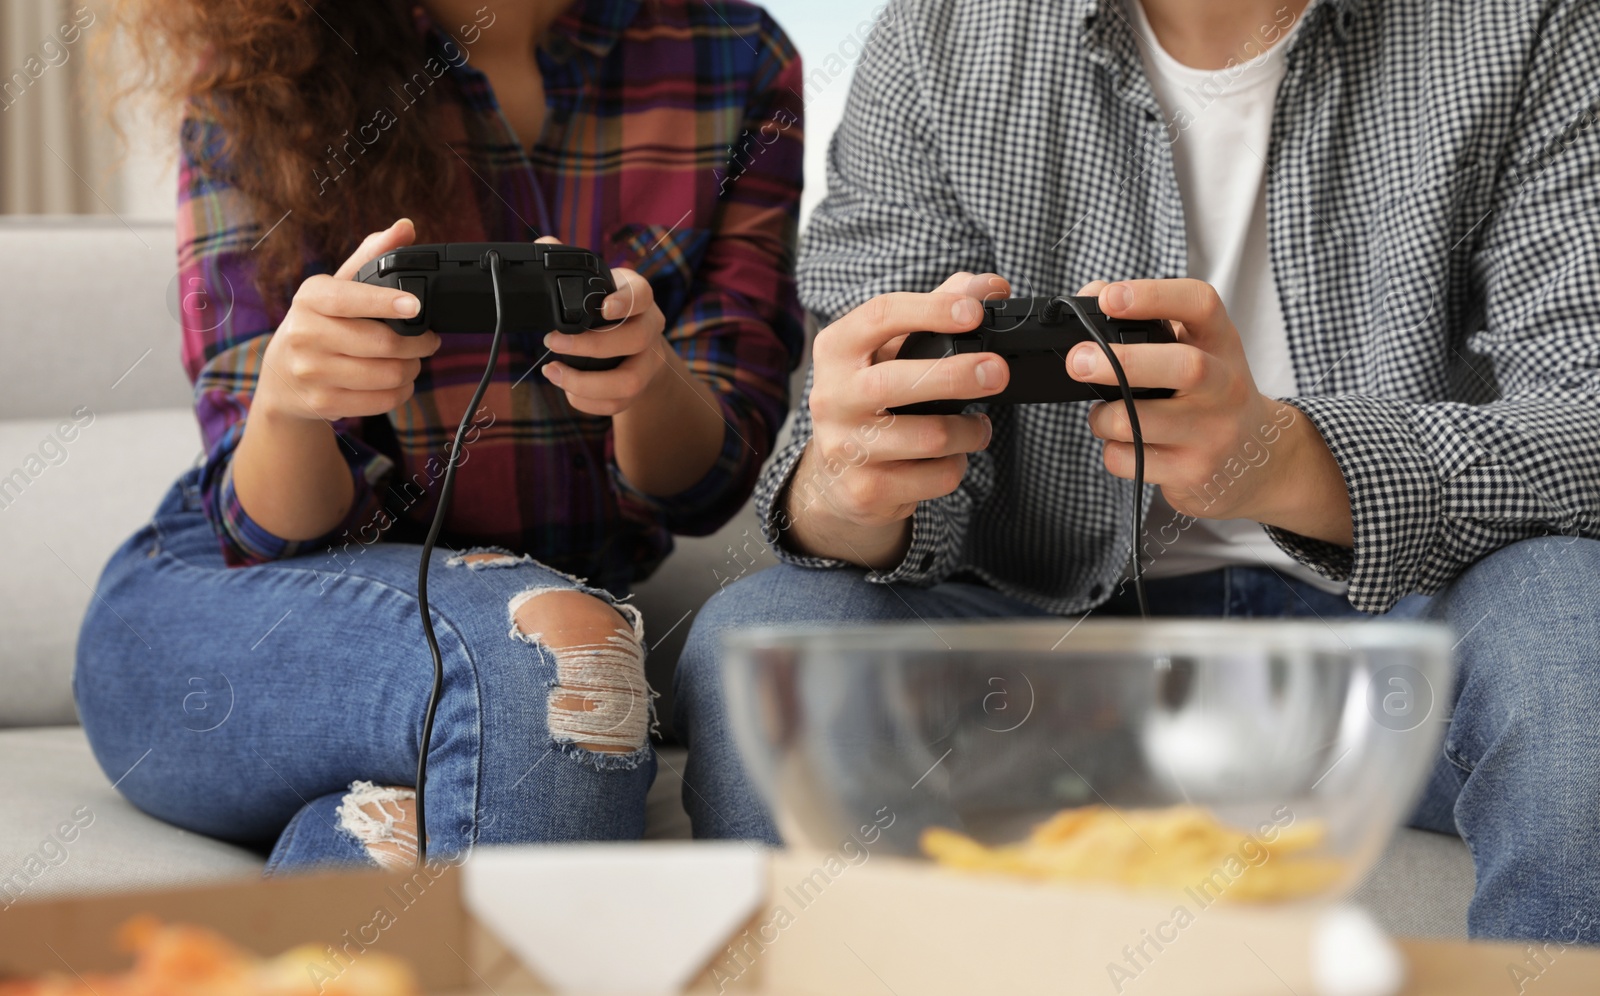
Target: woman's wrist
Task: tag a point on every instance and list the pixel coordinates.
(671, 436)
(289, 475)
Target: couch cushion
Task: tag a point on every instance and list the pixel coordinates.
(91, 316)
(49, 779)
(1421, 886)
(68, 498)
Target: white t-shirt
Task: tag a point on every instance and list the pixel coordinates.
(1223, 119)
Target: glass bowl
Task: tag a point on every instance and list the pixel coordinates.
(862, 739)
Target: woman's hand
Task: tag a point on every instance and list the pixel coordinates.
(1219, 448)
(636, 336)
(331, 358)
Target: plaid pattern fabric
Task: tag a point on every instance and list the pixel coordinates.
(1434, 226)
(673, 147)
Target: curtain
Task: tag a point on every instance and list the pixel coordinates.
(56, 149)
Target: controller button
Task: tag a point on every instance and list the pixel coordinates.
(569, 261)
(418, 288)
(569, 291)
(969, 346)
(408, 259)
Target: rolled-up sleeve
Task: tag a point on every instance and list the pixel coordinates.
(1435, 487)
(740, 330)
(892, 221)
(226, 328)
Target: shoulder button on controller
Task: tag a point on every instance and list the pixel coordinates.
(569, 261)
(408, 259)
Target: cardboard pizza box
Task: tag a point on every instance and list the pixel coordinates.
(598, 920)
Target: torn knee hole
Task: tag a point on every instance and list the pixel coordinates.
(600, 700)
(384, 820)
(488, 557)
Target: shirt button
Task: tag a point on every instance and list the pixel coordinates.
(1097, 591)
(927, 562)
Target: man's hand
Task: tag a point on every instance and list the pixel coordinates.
(1218, 448)
(865, 470)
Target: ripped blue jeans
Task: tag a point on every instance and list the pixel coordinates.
(278, 706)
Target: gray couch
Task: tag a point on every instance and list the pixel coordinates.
(88, 323)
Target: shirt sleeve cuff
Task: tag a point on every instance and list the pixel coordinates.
(929, 559)
(772, 502)
(246, 542)
(707, 504)
(1395, 500)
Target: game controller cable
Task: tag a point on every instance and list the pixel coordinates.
(491, 262)
(1136, 569)
(465, 287)
(1033, 336)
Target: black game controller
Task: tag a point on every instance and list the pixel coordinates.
(1033, 336)
(544, 288)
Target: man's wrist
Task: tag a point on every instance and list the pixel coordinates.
(812, 527)
(1308, 495)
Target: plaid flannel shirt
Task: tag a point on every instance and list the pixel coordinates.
(673, 147)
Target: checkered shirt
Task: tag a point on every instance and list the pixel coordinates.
(1434, 230)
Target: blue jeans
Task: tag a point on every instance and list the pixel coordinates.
(1518, 778)
(242, 703)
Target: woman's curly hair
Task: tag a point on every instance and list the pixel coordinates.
(282, 81)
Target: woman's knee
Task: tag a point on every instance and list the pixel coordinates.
(537, 634)
(599, 699)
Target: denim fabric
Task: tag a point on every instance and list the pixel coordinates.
(1518, 777)
(241, 703)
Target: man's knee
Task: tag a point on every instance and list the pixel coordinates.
(790, 594)
(1528, 646)
(600, 700)
(1547, 578)
(1527, 607)
(775, 596)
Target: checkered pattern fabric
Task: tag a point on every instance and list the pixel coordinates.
(1434, 228)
